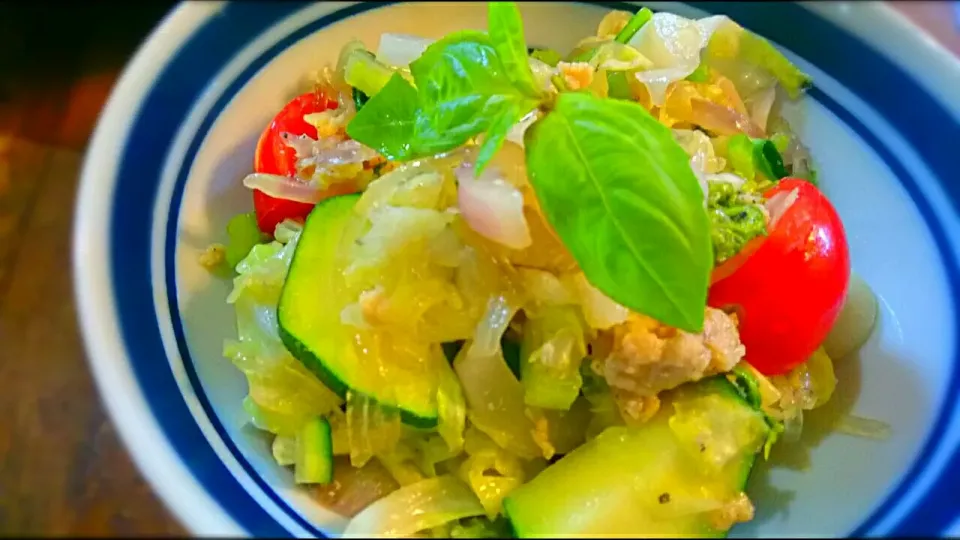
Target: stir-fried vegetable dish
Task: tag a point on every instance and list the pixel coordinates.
(489, 290)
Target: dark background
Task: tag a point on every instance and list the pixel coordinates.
(63, 471)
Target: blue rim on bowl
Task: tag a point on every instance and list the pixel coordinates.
(211, 486)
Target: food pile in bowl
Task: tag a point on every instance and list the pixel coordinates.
(490, 290)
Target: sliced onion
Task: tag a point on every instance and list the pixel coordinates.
(673, 44)
(722, 120)
(492, 206)
(598, 309)
(327, 151)
(495, 400)
(857, 319)
(284, 187)
(546, 288)
(423, 505)
(701, 179)
(866, 428)
(401, 49)
(778, 205)
(542, 73)
(354, 489)
(306, 146)
(520, 128)
(760, 106)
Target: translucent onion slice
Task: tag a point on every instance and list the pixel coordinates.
(416, 507)
(283, 187)
(857, 319)
(401, 49)
(599, 310)
(493, 207)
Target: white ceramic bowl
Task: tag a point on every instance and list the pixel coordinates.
(162, 177)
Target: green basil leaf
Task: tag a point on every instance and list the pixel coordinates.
(387, 121)
(634, 25)
(780, 141)
(768, 159)
(498, 130)
(619, 192)
(749, 156)
(359, 99)
(506, 33)
(463, 88)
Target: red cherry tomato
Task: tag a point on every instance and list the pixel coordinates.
(789, 292)
(729, 266)
(273, 156)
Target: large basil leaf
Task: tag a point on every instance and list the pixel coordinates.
(506, 33)
(619, 191)
(387, 121)
(464, 89)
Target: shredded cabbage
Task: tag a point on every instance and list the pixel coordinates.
(490, 471)
(451, 406)
(495, 398)
(282, 392)
(673, 44)
(372, 429)
(731, 42)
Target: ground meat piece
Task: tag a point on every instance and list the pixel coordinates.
(648, 357)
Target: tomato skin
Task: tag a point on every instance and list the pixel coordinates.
(271, 211)
(789, 292)
(273, 156)
(729, 266)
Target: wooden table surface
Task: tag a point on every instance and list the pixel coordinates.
(62, 468)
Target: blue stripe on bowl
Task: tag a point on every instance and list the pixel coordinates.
(177, 88)
(925, 124)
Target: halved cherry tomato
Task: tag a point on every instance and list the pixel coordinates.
(273, 156)
(789, 291)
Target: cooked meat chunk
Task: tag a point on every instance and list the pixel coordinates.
(648, 357)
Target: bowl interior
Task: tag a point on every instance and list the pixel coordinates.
(822, 485)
